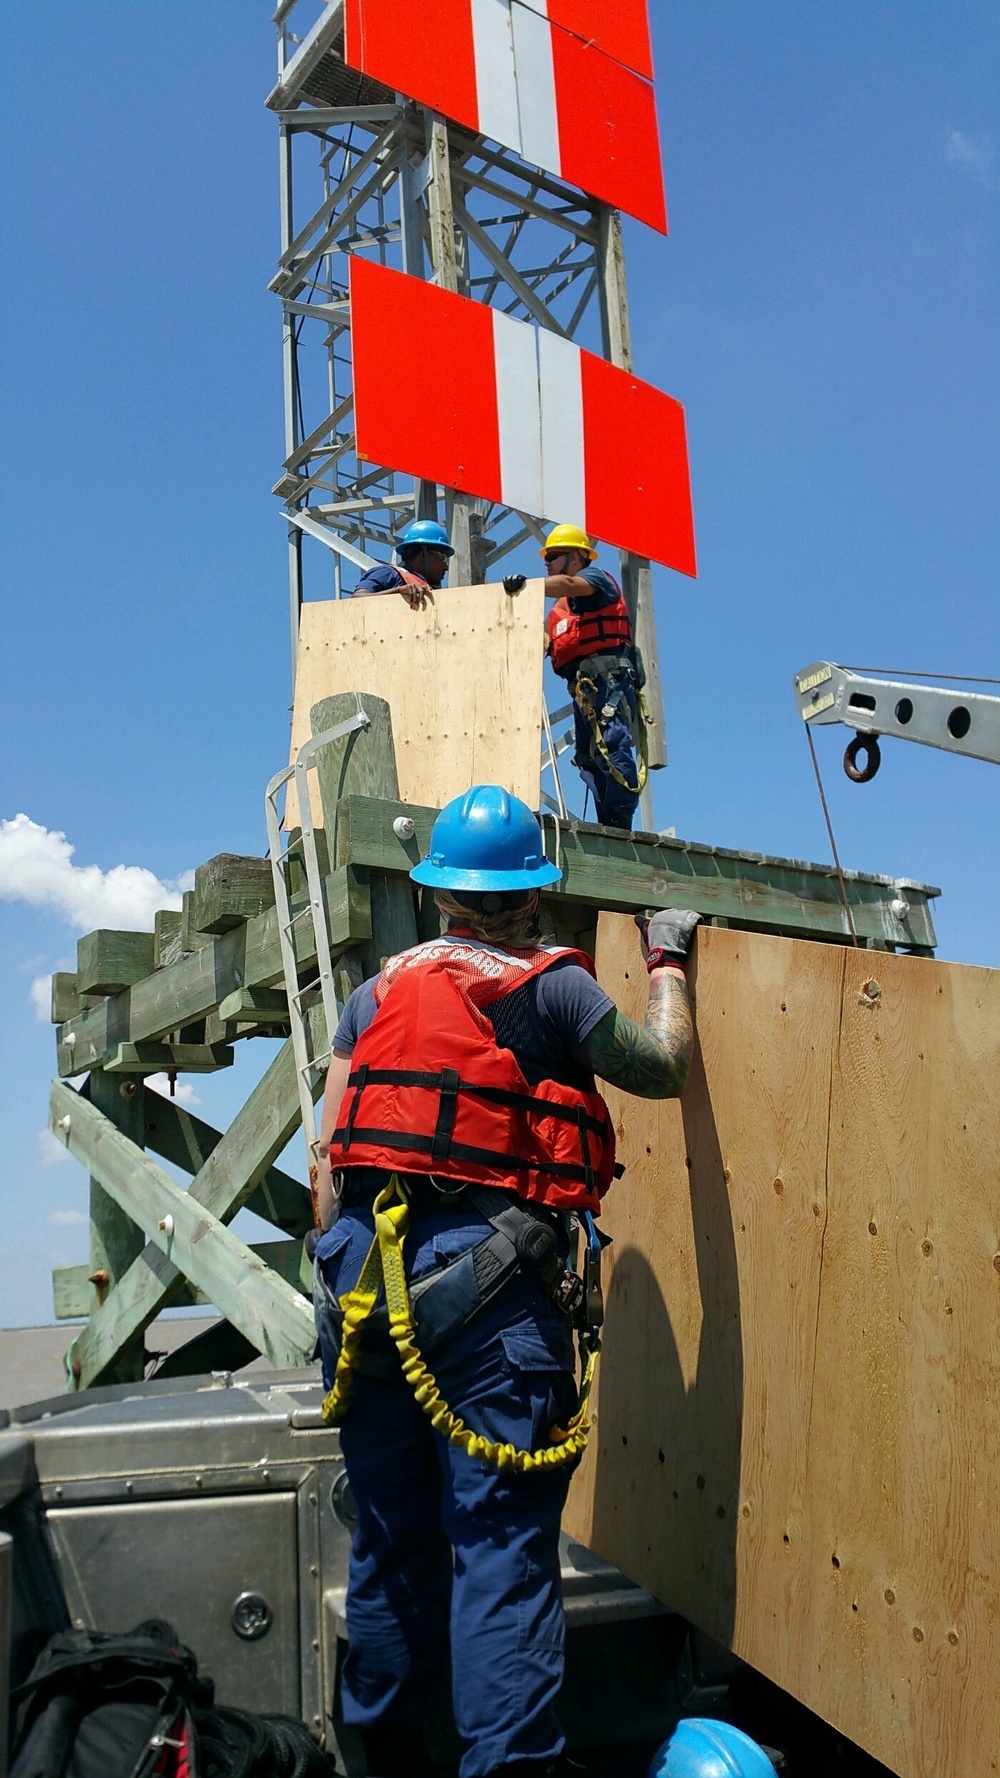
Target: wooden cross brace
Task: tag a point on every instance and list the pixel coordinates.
(272, 1315)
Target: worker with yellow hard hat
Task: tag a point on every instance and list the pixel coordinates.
(590, 644)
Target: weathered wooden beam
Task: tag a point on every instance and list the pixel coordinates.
(107, 962)
(72, 1292)
(225, 1182)
(66, 1000)
(230, 889)
(626, 873)
(166, 937)
(363, 763)
(264, 1008)
(249, 956)
(187, 1141)
(153, 1058)
(191, 938)
(116, 1239)
(265, 1309)
(73, 1295)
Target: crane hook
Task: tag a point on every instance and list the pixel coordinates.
(868, 745)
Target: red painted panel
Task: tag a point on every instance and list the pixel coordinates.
(425, 51)
(619, 27)
(425, 395)
(636, 466)
(608, 137)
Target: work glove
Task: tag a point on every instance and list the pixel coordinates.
(512, 583)
(666, 938)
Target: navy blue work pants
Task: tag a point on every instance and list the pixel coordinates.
(455, 1567)
(611, 696)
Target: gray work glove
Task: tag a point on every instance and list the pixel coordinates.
(670, 931)
(512, 583)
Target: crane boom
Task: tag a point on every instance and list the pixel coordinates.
(960, 722)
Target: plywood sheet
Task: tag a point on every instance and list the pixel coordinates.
(462, 677)
(797, 1437)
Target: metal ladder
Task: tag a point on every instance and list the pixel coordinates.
(310, 1064)
(551, 749)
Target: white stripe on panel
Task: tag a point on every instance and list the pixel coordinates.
(536, 87)
(563, 498)
(516, 358)
(496, 86)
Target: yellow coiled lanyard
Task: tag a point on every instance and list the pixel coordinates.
(585, 685)
(384, 1265)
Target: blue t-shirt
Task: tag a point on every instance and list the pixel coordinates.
(605, 591)
(382, 579)
(544, 1023)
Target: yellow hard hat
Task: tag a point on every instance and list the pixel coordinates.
(568, 537)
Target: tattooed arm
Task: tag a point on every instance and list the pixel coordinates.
(653, 1060)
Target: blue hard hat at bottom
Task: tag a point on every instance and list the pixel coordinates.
(486, 840)
(702, 1748)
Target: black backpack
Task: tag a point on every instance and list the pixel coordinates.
(107, 1706)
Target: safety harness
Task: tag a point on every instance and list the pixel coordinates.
(522, 1156)
(601, 629)
(469, 1113)
(585, 694)
(576, 636)
(519, 1237)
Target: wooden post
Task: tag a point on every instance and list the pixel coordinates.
(115, 1240)
(460, 516)
(637, 579)
(364, 764)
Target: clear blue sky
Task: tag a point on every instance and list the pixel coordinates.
(825, 307)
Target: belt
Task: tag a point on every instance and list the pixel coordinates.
(523, 1237)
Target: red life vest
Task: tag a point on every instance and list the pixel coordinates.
(467, 1111)
(409, 579)
(574, 635)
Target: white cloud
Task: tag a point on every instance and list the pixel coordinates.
(36, 866)
(976, 155)
(184, 1095)
(40, 994)
(68, 1218)
(51, 1152)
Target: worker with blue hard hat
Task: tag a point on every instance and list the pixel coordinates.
(462, 1127)
(700, 1747)
(424, 552)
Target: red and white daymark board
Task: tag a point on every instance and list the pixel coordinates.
(564, 83)
(455, 392)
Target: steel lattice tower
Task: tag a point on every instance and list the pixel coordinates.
(364, 170)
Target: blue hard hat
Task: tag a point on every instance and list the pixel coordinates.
(701, 1748)
(427, 532)
(486, 839)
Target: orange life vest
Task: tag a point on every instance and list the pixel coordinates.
(467, 1112)
(604, 629)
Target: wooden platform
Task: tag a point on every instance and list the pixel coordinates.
(463, 678)
(798, 1430)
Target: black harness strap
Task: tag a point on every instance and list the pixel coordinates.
(358, 1080)
(464, 1151)
(414, 1077)
(588, 1171)
(450, 1081)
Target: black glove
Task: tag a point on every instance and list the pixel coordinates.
(512, 583)
(667, 936)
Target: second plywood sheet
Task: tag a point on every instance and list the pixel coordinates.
(462, 677)
(797, 1433)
